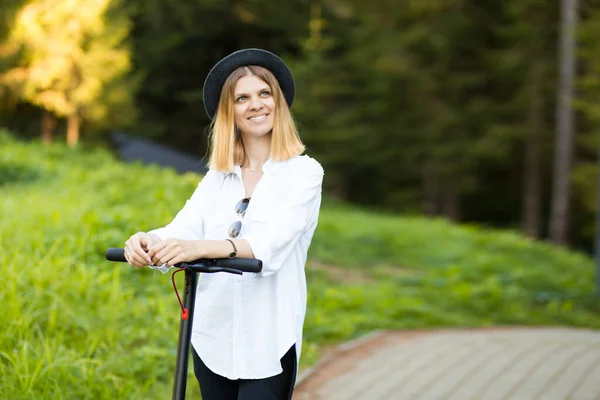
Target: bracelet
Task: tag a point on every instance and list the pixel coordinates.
(234, 253)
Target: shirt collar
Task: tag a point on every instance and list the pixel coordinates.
(270, 166)
(237, 170)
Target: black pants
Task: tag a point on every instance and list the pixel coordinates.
(217, 387)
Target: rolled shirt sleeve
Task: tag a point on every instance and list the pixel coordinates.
(294, 216)
(188, 224)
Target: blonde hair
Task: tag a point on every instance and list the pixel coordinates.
(225, 140)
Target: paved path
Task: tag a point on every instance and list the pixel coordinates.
(489, 364)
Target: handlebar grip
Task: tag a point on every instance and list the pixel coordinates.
(241, 264)
(115, 254)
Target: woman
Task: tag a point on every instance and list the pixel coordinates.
(260, 199)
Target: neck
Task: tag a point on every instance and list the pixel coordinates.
(258, 151)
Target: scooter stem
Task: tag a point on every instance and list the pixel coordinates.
(185, 334)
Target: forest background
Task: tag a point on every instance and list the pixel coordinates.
(432, 107)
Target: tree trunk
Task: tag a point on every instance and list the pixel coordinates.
(430, 190)
(531, 208)
(48, 125)
(559, 223)
(451, 202)
(73, 130)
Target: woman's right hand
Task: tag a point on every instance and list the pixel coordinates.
(136, 248)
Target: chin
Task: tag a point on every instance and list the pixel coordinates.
(258, 132)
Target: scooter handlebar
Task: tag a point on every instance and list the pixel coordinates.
(211, 265)
(115, 254)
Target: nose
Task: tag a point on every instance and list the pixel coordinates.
(255, 103)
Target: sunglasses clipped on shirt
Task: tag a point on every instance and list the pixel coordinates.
(240, 209)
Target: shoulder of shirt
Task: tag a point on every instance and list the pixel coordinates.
(304, 163)
(208, 175)
(212, 176)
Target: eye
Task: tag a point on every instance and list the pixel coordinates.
(241, 98)
(265, 93)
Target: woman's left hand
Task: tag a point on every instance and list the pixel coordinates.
(174, 251)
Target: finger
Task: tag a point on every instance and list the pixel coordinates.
(156, 248)
(168, 257)
(179, 256)
(175, 260)
(149, 241)
(130, 245)
(139, 257)
(145, 242)
(157, 257)
(142, 255)
(126, 256)
(130, 260)
(132, 251)
(136, 253)
(127, 253)
(162, 253)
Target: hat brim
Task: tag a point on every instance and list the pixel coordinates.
(218, 74)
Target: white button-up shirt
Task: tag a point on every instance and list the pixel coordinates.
(243, 325)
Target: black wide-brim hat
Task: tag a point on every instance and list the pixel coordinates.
(218, 74)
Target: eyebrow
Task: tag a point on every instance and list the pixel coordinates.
(259, 90)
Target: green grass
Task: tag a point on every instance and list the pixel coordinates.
(74, 326)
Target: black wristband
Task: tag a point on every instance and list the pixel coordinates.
(234, 253)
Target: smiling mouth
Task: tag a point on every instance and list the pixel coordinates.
(258, 118)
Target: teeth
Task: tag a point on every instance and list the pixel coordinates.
(259, 118)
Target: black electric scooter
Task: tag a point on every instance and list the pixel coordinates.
(230, 265)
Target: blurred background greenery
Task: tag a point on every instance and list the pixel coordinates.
(436, 107)
(437, 123)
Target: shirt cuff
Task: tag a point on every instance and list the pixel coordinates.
(160, 232)
(261, 251)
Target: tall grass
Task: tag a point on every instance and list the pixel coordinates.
(73, 325)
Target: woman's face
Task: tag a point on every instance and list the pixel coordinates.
(253, 106)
